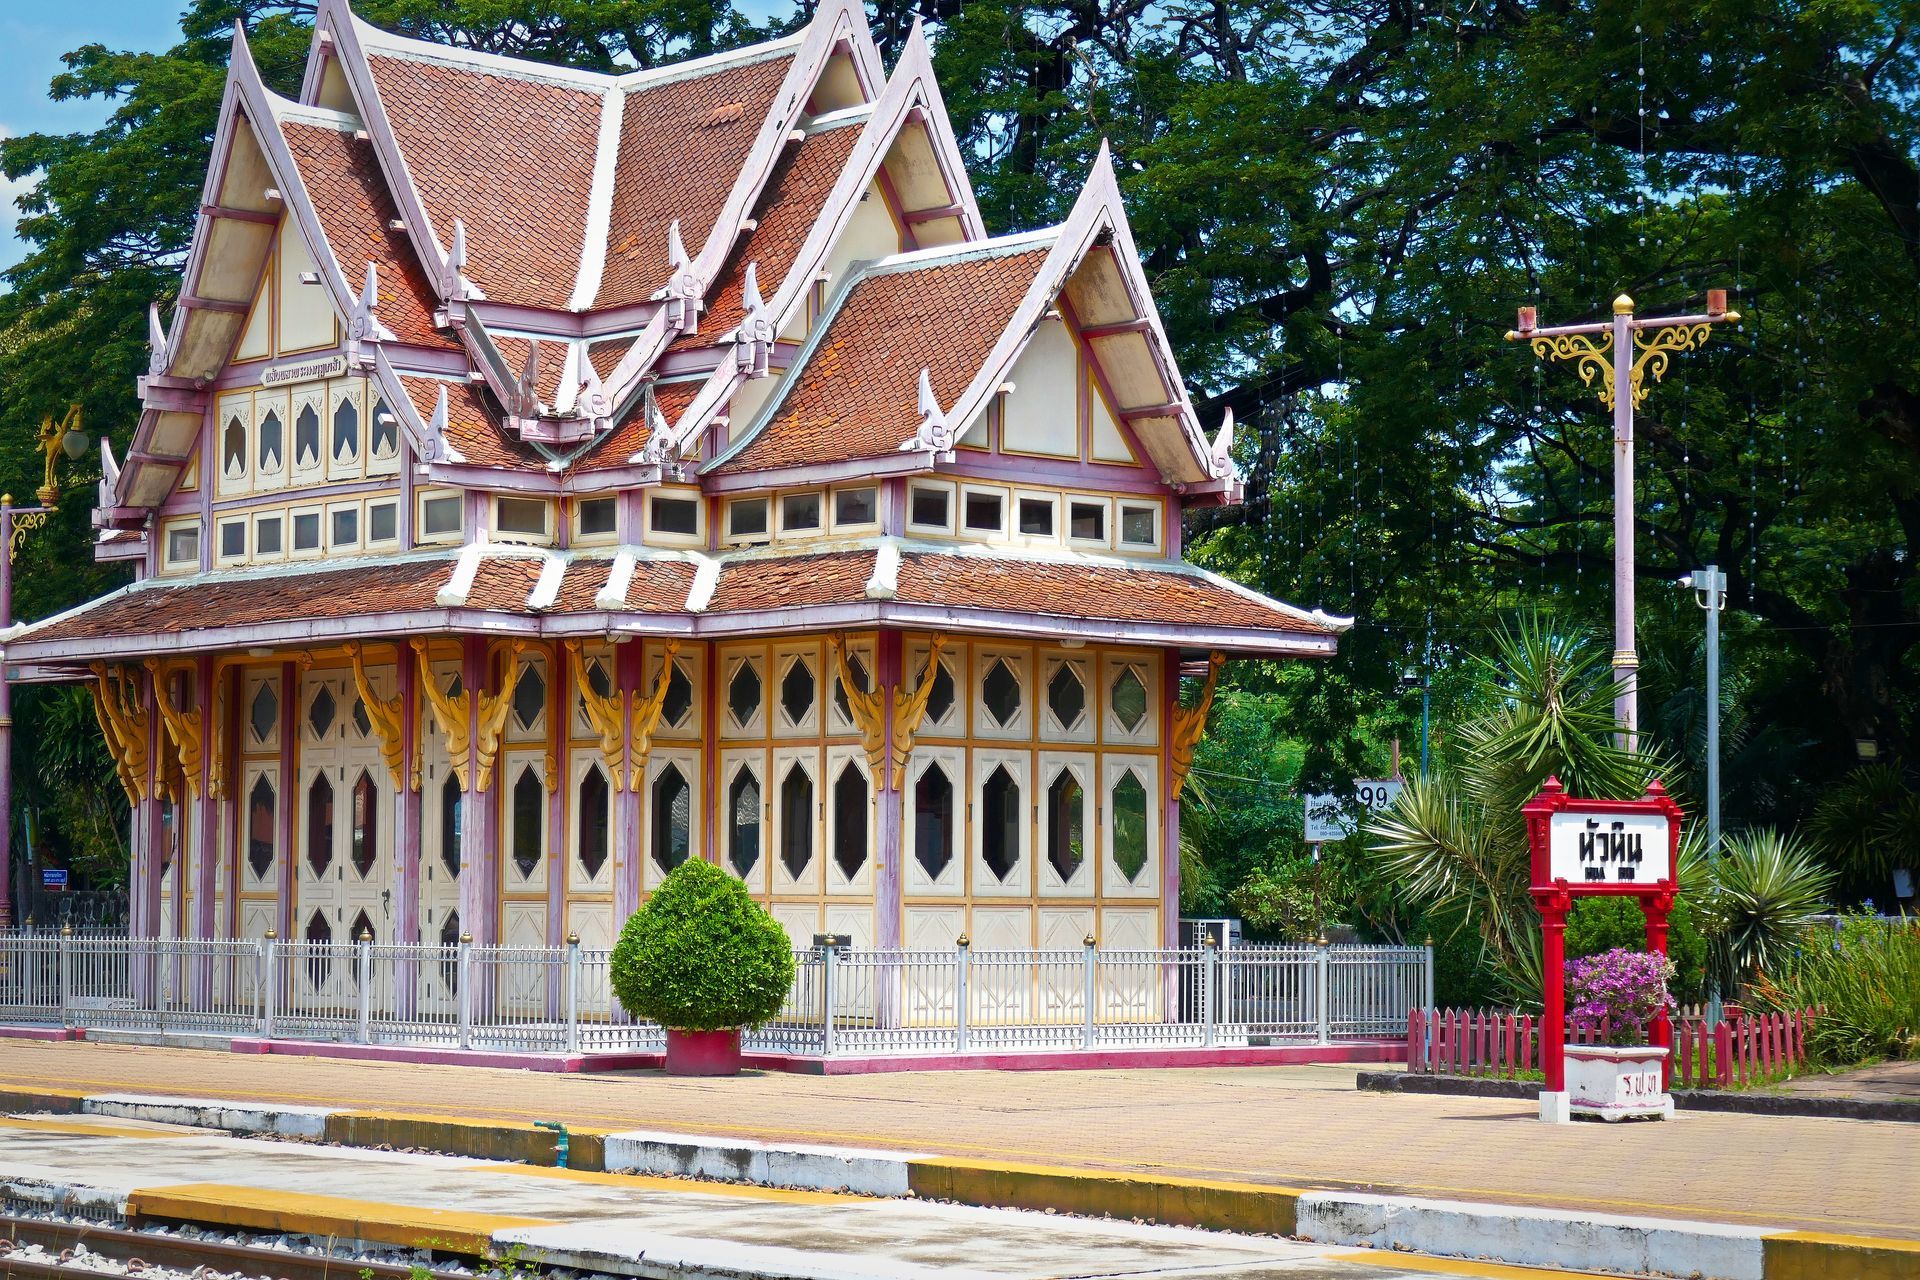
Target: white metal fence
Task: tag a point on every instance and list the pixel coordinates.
(843, 1001)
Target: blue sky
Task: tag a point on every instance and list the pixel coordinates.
(33, 35)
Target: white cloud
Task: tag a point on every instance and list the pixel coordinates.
(11, 189)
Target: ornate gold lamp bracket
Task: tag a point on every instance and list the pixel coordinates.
(1654, 347)
(1189, 726)
(1592, 360)
(908, 713)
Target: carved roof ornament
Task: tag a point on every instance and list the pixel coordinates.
(682, 293)
(661, 449)
(1222, 454)
(591, 399)
(183, 726)
(934, 432)
(523, 398)
(109, 477)
(122, 715)
(156, 343)
(364, 326)
(1190, 724)
(458, 288)
(753, 343)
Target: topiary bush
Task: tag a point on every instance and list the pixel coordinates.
(702, 955)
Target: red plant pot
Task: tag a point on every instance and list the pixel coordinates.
(703, 1053)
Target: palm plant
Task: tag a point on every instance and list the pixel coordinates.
(1869, 823)
(1456, 839)
(1765, 890)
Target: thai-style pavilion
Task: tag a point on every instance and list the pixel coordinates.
(546, 476)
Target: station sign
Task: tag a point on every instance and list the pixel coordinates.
(1331, 817)
(1582, 846)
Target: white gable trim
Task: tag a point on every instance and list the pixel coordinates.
(593, 244)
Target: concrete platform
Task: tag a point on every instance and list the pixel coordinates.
(638, 1226)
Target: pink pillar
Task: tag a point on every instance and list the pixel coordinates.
(407, 801)
(1625, 662)
(479, 852)
(560, 719)
(206, 825)
(149, 818)
(888, 803)
(718, 816)
(1170, 818)
(289, 792)
(628, 847)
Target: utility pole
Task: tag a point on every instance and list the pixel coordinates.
(1709, 587)
(1627, 350)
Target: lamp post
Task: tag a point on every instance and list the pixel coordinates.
(1627, 350)
(1709, 587)
(56, 437)
(1408, 679)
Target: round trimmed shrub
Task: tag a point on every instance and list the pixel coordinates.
(702, 955)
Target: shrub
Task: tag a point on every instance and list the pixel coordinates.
(1766, 889)
(1604, 923)
(1866, 984)
(702, 955)
(1621, 989)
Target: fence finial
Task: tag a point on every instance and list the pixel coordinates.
(465, 937)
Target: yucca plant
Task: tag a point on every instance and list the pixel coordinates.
(1864, 986)
(1764, 891)
(1456, 840)
(1869, 823)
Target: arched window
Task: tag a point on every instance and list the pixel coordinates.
(850, 820)
(366, 823)
(529, 821)
(319, 958)
(450, 824)
(319, 824)
(796, 821)
(743, 826)
(1000, 691)
(306, 437)
(272, 443)
(260, 827)
(593, 823)
(672, 818)
(1066, 823)
(933, 821)
(233, 448)
(1000, 823)
(346, 432)
(386, 430)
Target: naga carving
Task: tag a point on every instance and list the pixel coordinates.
(1189, 726)
(384, 715)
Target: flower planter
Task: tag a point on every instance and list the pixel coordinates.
(703, 1053)
(1606, 1083)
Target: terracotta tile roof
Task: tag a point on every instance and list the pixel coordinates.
(239, 602)
(660, 586)
(777, 582)
(553, 359)
(471, 423)
(1087, 590)
(618, 446)
(343, 179)
(788, 208)
(856, 395)
(512, 158)
(682, 146)
(505, 583)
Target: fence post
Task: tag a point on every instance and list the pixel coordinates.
(463, 975)
(363, 972)
(963, 964)
(66, 973)
(573, 993)
(827, 998)
(269, 984)
(1089, 984)
(1323, 982)
(1209, 985)
(1426, 974)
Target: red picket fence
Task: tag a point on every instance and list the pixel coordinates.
(1742, 1050)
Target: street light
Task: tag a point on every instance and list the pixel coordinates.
(1709, 587)
(1408, 679)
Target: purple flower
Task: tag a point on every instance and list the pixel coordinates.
(1619, 991)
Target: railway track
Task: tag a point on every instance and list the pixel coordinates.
(179, 1253)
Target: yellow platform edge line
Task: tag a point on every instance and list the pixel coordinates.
(99, 1129)
(1824, 1255)
(334, 1217)
(1449, 1266)
(1181, 1202)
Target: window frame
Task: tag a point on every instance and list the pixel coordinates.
(947, 491)
(1156, 509)
(1051, 501)
(541, 539)
(668, 537)
(221, 556)
(576, 521)
(970, 491)
(850, 526)
(420, 500)
(169, 563)
(1104, 506)
(760, 538)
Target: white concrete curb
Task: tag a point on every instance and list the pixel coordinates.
(873, 1173)
(203, 1113)
(1523, 1236)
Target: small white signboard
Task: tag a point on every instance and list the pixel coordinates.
(1336, 818)
(303, 370)
(1622, 848)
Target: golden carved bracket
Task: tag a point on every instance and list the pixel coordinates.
(123, 723)
(1592, 359)
(1189, 726)
(869, 711)
(493, 714)
(607, 715)
(184, 728)
(908, 714)
(646, 716)
(385, 717)
(452, 714)
(1655, 346)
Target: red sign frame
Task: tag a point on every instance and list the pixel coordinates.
(1555, 898)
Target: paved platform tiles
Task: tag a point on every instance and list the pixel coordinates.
(1296, 1126)
(638, 1226)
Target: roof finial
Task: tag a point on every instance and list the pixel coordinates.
(364, 325)
(459, 288)
(109, 474)
(683, 289)
(753, 342)
(590, 398)
(156, 343)
(1223, 445)
(934, 433)
(524, 401)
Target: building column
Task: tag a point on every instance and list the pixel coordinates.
(888, 801)
(1170, 822)
(479, 852)
(206, 822)
(289, 795)
(406, 800)
(149, 817)
(559, 794)
(628, 848)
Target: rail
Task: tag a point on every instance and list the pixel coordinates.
(843, 1001)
